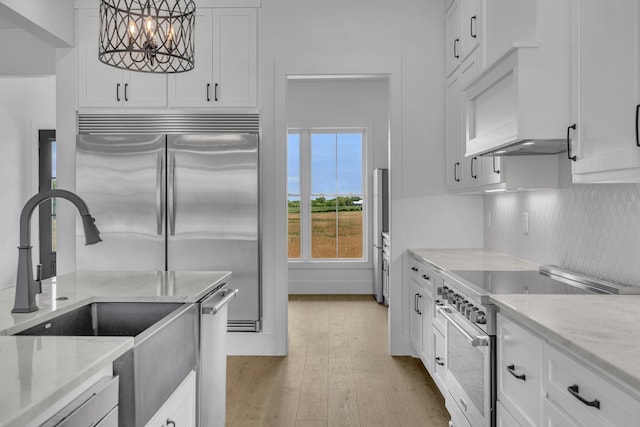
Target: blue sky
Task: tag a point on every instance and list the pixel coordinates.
(336, 165)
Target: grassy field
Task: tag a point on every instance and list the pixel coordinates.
(323, 235)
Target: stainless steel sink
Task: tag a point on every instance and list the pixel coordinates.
(164, 351)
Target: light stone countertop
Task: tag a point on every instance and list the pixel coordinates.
(471, 259)
(602, 329)
(36, 372)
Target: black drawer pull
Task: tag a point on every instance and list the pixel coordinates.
(439, 361)
(455, 48)
(575, 392)
(455, 171)
(637, 131)
(425, 277)
(472, 29)
(414, 269)
(473, 174)
(512, 371)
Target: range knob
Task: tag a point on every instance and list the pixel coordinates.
(452, 298)
(461, 303)
(466, 310)
(472, 313)
(443, 291)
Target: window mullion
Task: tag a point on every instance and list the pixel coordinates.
(305, 195)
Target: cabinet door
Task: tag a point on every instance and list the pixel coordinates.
(180, 409)
(144, 89)
(453, 47)
(427, 329)
(470, 29)
(504, 418)
(195, 88)
(415, 321)
(606, 90)
(439, 360)
(455, 167)
(99, 85)
(235, 46)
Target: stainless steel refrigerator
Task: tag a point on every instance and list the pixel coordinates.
(380, 225)
(175, 202)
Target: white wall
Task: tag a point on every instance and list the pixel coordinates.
(26, 105)
(342, 102)
(339, 36)
(53, 21)
(24, 54)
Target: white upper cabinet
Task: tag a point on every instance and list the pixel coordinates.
(605, 88)
(522, 93)
(101, 85)
(453, 48)
(225, 73)
(462, 33)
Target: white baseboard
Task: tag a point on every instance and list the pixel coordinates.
(252, 344)
(364, 287)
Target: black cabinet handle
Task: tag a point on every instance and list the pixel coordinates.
(118, 92)
(455, 48)
(494, 165)
(576, 393)
(573, 126)
(512, 371)
(415, 303)
(472, 28)
(637, 131)
(208, 92)
(126, 97)
(473, 175)
(419, 298)
(425, 277)
(414, 269)
(215, 92)
(455, 172)
(439, 361)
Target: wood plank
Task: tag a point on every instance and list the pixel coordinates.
(338, 373)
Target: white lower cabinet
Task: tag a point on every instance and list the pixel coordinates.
(586, 395)
(415, 319)
(180, 409)
(504, 418)
(518, 369)
(541, 384)
(553, 416)
(439, 373)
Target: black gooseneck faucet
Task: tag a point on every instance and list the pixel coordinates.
(26, 286)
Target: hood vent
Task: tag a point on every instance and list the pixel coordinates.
(528, 147)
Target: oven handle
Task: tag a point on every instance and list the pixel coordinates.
(474, 341)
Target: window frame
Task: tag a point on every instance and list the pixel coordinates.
(305, 131)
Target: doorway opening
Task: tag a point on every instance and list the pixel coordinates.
(47, 210)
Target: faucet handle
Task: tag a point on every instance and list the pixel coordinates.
(39, 277)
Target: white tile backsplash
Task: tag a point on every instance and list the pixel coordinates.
(594, 229)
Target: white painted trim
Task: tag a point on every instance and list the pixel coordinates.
(315, 287)
(391, 67)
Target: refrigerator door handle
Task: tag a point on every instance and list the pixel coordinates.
(159, 192)
(171, 195)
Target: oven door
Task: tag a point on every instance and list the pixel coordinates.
(469, 356)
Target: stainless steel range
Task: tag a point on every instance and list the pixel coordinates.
(463, 304)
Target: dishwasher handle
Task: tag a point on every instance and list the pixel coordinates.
(226, 295)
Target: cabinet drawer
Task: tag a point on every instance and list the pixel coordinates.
(518, 369)
(585, 395)
(552, 416)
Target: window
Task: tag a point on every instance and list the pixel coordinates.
(325, 194)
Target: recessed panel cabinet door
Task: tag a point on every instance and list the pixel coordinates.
(605, 91)
(235, 56)
(99, 85)
(195, 88)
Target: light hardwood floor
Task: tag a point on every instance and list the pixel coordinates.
(338, 373)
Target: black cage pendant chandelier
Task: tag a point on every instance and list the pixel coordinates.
(154, 36)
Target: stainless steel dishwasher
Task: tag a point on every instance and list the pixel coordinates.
(212, 377)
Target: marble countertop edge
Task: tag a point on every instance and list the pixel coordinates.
(24, 417)
(629, 380)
